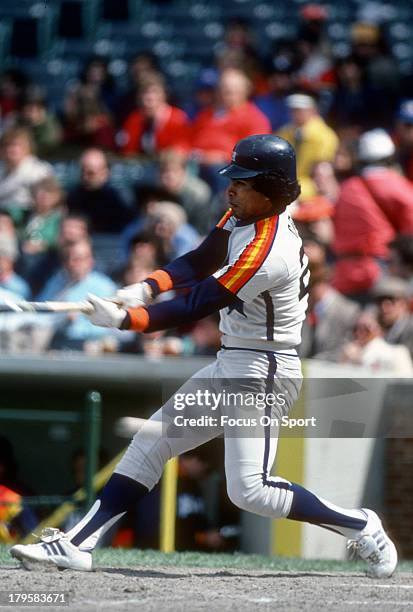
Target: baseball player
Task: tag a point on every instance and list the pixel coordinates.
(252, 268)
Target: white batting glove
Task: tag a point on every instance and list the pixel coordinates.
(105, 313)
(132, 296)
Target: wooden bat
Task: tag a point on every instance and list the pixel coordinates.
(21, 306)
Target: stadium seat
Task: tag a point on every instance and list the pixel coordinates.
(31, 36)
(107, 252)
(77, 18)
(115, 10)
(67, 173)
(5, 28)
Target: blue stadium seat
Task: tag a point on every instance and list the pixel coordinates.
(5, 29)
(67, 173)
(31, 36)
(77, 18)
(107, 250)
(115, 10)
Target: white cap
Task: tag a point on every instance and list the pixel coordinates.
(375, 145)
(300, 101)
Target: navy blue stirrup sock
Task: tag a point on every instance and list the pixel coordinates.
(118, 495)
(309, 508)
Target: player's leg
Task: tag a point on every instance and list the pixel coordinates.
(248, 463)
(137, 473)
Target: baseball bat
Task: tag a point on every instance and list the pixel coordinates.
(24, 306)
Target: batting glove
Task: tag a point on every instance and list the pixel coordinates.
(105, 313)
(132, 296)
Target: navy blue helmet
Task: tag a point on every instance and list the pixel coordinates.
(262, 154)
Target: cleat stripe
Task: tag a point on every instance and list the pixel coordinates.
(45, 546)
(61, 549)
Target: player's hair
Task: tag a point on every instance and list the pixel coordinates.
(277, 188)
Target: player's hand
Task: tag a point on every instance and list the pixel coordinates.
(133, 296)
(105, 313)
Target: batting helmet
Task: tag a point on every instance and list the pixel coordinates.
(270, 162)
(262, 154)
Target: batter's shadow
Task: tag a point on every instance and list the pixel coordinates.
(143, 573)
(138, 573)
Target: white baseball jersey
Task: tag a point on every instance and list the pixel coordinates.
(267, 269)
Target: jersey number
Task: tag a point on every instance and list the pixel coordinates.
(303, 283)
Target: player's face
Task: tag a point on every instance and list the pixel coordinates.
(246, 202)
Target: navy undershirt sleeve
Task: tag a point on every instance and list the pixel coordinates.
(206, 297)
(200, 263)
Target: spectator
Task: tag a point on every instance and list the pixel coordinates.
(9, 280)
(146, 249)
(330, 319)
(7, 225)
(403, 136)
(44, 127)
(391, 295)
(154, 125)
(368, 348)
(349, 112)
(401, 258)
(192, 192)
(217, 128)
(325, 180)
(96, 75)
(73, 228)
(204, 92)
(313, 219)
(21, 170)
(12, 85)
(238, 51)
(149, 196)
(144, 256)
(73, 282)
(42, 229)
(40, 234)
(312, 48)
(280, 82)
(313, 139)
(87, 121)
(381, 72)
(373, 206)
(344, 162)
(170, 226)
(204, 339)
(141, 66)
(95, 198)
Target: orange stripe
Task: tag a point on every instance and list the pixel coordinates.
(225, 218)
(240, 266)
(252, 257)
(163, 279)
(139, 318)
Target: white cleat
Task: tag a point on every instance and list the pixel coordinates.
(53, 550)
(374, 546)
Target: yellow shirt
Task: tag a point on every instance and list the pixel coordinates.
(317, 142)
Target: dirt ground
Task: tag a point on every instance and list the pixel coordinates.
(191, 589)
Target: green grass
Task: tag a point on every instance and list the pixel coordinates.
(116, 557)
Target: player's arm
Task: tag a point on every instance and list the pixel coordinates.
(206, 297)
(183, 272)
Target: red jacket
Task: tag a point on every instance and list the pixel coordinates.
(219, 131)
(369, 212)
(169, 132)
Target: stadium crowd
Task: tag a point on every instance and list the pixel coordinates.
(117, 182)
